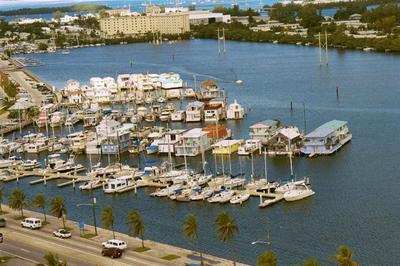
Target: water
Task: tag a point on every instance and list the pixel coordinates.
(356, 201)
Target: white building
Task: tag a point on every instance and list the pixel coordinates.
(194, 142)
(200, 17)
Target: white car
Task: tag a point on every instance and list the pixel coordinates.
(62, 233)
(114, 243)
(32, 223)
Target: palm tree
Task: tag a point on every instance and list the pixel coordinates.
(137, 225)
(40, 202)
(190, 232)
(107, 216)
(266, 259)
(345, 257)
(53, 260)
(17, 200)
(226, 228)
(310, 262)
(57, 207)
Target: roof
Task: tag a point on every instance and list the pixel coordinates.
(326, 129)
(194, 133)
(290, 132)
(265, 124)
(227, 142)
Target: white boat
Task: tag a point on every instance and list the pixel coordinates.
(190, 93)
(57, 119)
(90, 184)
(250, 146)
(71, 120)
(178, 116)
(161, 100)
(10, 162)
(165, 191)
(299, 192)
(199, 180)
(30, 164)
(149, 117)
(217, 182)
(289, 186)
(39, 145)
(148, 100)
(58, 165)
(165, 116)
(118, 183)
(222, 197)
(203, 194)
(150, 173)
(240, 198)
(234, 182)
(142, 111)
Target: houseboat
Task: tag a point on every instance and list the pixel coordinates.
(115, 184)
(327, 138)
(178, 116)
(214, 111)
(57, 119)
(91, 117)
(195, 112)
(235, 111)
(209, 90)
(263, 130)
(227, 146)
(193, 142)
(286, 140)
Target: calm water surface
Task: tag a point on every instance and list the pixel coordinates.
(357, 199)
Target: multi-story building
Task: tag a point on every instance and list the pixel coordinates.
(171, 23)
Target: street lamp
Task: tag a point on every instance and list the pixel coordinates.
(93, 204)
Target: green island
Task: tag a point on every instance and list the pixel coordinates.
(49, 10)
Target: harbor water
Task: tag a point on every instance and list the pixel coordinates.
(356, 201)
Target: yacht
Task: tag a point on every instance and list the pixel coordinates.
(90, 184)
(299, 192)
(165, 191)
(234, 182)
(240, 198)
(222, 197)
(58, 165)
(118, 183)
(30, 164)
(57, 119)
(250, 146)
(10, 162)
(165, 116)
(199, 180)
(39, 145)
(203, 194)
(289, 186)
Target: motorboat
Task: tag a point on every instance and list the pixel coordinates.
(90, 184)
(10, 162)
(164, 192)
(217, 182)
(299, 192)
(240, 198)
(222, 197)
(115, 184)
(250, 146)
(200, 180)
(165, 116)
(30, 164)
(234, 182)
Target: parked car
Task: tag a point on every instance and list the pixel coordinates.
(62, 233)
(3, 222)
(32, 223)
(114, 243)
(112, 252)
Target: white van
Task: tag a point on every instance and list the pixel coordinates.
(115, 243)
(32, 223)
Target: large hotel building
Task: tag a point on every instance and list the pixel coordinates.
(171, 23)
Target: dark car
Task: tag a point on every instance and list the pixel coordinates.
(112, 252)
(2, 222)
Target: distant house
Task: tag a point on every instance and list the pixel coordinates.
(327, 138)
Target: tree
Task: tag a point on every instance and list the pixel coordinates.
(190, 232)
(226, 227)
(57, 207)
(266, 259)
(310, 262)
(40, 202)
(137, 225)
(57, 15)
(53, 260)
(107, 216)
(42, 46)
(345, 257)
(17, 200)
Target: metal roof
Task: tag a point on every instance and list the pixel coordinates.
(326, 129)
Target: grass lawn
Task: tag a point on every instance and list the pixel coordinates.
(141, 249)
(4, 260)
(45, 223)
(88, 235)
(171, 257)
(18, 218)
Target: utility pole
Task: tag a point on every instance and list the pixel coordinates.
(94, 211)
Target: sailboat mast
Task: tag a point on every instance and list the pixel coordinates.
(265, 166)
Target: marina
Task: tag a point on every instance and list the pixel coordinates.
(327, 173)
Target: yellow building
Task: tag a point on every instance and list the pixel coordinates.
(227, 146)
(175, 23)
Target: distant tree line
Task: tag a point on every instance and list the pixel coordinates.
(235, 11)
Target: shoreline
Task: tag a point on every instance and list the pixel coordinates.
(157, 250)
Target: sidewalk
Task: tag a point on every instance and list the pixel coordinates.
(91, 247)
